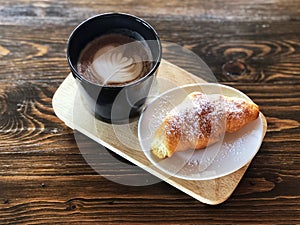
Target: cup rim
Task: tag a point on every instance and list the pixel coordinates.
(112, 14)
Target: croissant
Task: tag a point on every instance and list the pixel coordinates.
(201, 120)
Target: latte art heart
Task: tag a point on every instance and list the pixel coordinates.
(114, 67)
(114, 60)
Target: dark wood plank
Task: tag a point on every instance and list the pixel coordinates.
(105, 201)
(44, 178)
(266, 61)
(217, 10)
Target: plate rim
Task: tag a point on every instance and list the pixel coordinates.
(260, 117)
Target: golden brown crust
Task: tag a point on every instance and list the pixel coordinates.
(199, 121)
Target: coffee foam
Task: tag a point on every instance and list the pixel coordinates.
(114, 59)
(114, 67)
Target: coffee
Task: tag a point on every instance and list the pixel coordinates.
(115, 59)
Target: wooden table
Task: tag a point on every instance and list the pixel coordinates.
(253, 46)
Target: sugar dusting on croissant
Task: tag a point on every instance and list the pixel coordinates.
(201, 120)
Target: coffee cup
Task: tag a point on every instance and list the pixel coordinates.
(114, 58)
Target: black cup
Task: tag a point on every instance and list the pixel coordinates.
(114, 104)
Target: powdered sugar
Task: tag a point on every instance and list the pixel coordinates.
(199, 116)
(202, 116)
(159, 113)
(219, 159)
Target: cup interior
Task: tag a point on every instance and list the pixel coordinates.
(102, 24)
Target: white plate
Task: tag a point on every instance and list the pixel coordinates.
(220, 159)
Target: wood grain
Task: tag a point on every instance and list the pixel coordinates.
(44, 178)
(123, 139)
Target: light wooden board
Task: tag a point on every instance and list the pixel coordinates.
(68, 104)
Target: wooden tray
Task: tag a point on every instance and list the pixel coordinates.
(211, 192)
